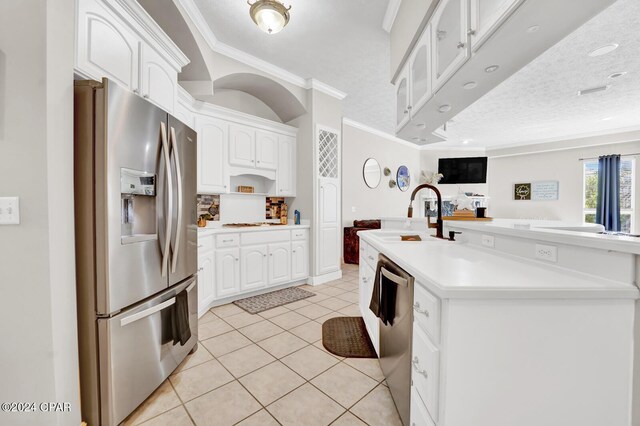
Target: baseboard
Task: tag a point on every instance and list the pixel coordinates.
(321, 279)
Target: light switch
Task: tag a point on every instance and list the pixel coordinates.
(353, 209)
(9, 211)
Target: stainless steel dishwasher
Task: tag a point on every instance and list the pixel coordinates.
(396, 338)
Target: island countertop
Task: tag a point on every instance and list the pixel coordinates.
(459, 270)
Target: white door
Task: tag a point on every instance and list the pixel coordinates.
(329, 237)
(242, 145)
(212, 164)
(106, 47)
(279, 263)
(206, 281)
(285, 179)
(266, 150)
(158, 80)
(299, 260)
(487, 16)
(253, 266)
(403, 109)
(227, 272)
(420, 73)
(449, 40)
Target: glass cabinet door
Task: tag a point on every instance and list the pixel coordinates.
(420, 73)
(449, 33)
(402, 100)
(487, 16)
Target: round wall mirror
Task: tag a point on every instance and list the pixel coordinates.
(371, 173)
(403, 178)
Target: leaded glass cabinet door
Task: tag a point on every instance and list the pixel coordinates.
(420, 73)
(449, 39)
(402, 99)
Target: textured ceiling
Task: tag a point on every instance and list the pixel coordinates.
(339, 42)
(540, 101)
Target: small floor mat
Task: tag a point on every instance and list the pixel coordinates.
(347, 337)
(263, 302)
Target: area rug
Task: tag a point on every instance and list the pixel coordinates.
(347, 337)
(263, 302)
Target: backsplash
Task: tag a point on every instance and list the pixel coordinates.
(270, 204)
(209, 204)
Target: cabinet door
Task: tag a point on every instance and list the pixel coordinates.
(329, 231)
(227, 272)
(299, 260)
(105, 46)
(285, 180)
(279, 263)
(402, 99)
(449, 40)
(266, 150)
(242, 145)
(487, 16)
(158, 80)
(253, 266)
(206, 281)
(212, 165)
(420, 72)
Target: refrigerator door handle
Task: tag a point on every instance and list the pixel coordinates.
(167, 162)
(147, 312)
(174, 146)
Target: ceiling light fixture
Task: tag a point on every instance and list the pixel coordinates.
(607, 119)
(271, 16)
(603, 50)
(444, 108)
(617, 74)
(491, 68)
(466, 141)
(470, 85)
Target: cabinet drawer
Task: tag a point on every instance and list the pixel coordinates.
(205, 243)
(425, 362)
(227, 240)
(300, 234)
(266, 237)
(419, 414)
(371, 256)
(426, 311)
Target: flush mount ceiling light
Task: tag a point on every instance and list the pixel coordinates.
(271, 16)
(491, 68)
(444, 108)
(470, 85)
(603, 50)
(617, 74)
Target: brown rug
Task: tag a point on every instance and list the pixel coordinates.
(347, 337)
(263, 302)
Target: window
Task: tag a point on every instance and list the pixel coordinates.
(627, 177)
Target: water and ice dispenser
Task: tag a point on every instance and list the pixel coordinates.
(138, 206)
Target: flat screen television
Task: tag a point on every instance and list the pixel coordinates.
(463, 170)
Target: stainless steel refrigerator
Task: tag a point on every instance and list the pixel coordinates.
(136, 245)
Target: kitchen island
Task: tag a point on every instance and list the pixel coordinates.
(502, 337)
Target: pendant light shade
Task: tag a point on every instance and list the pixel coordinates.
(270, 16)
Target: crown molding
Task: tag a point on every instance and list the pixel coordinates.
(217, 46)
(390, 14)
(380, 133)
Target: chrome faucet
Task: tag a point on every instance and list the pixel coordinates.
(438, 224)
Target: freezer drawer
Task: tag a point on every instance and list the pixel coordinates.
(137, 352)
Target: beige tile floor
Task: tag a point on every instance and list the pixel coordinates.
(271, 369)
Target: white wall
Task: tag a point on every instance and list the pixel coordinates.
(562, 166)
(38, 353)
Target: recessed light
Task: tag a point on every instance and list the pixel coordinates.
(421, 125)
(603, 50)
(419, 139)
(607, 119)
(470, 85)
(444, 108)
(491, 68)
(593, 90)
(533, 29)
(466, 141)
(617, 74)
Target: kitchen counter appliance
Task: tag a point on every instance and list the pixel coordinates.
(136, 247)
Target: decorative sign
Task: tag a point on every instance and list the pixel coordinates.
(546, 190)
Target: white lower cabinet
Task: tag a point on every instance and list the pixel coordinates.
(299, 260)
(227, 272)
(206, 282)
(279, 263)
(367, 276)
(253, 264)
(419, 414)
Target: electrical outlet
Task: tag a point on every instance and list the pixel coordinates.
(488, 241)
(9, 211)
(548, 253)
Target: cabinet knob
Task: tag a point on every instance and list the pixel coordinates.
(415, 362)
(406, 111)
(409, 107)
(471, 32)
(237, 259)
(200, 246)
(294, 251)
(136, 91)
(200, 269)
(461, 45)
(365, 280)
(145, 96)
(416, 307)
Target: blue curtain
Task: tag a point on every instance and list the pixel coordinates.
(608, 204)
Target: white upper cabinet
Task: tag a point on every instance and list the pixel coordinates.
(402, 99)
(212, 142)
(242, 145)
(158, 80)
(420, 72)
(449, 40)
(286, 176)
(266, 150)
(253, 263)
(105, 46)
(487, 16)
(279, 263)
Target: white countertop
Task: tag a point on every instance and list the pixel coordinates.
(203, 232)
(554, 231)
(457, 270)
